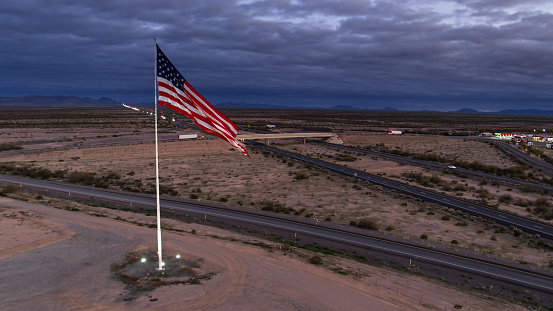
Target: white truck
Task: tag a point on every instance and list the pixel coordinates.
(393, 132)
(188, 136)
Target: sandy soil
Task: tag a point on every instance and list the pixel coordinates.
(54, 259)
(223, 174)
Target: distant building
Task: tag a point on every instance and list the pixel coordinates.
(542, 138)
(520, 138)
(505, 135)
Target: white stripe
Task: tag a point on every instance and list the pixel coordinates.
(230, 126)
(219, 128)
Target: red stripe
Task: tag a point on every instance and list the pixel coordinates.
(206, 103)
(183, 101)
(206, 112)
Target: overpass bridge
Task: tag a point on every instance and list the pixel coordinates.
(330, 137)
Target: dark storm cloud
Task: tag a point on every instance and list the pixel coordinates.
(409, 54)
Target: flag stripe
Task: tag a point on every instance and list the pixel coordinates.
(177, 100)
(176, 93)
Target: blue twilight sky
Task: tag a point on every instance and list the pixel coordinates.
(407, 54)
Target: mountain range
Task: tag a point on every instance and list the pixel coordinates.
(74, 101)
(56, 101)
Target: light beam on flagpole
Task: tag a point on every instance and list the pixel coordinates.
(160, 267)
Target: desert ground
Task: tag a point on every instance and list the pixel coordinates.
(119, 154)
(55, 259)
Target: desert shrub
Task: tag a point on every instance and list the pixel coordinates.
(9, 189)
(506, 198)
(544, 211)
(389, 228)
(460, 187)
(344, 158)
(276, 207)
(542, 201)
(164, 189)
(522, 202)
(81, 177)
(301, 175)
(194, 196)
(316, 260)
(445, 217)
(7, 167)
(527, 188)
(39, 197)
(8, 146)
(113, 175)
(429, 157)
(517, 232)
(367, 224)
(223, 199)
(543, 244)
(424, 180)
(424, 236)
(436, 180)
(455, 242)
(483, 193)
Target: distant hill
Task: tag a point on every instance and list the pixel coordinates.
(466, 110)
(527, 112)
(343, 107)
(248, 105)
(57, 101)
(523, 112)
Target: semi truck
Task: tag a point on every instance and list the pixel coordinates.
(393, 132)
(188, 136)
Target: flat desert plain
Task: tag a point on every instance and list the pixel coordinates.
(55, 259)
(58, 255)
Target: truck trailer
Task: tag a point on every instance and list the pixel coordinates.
(188, 136)
(392, 132)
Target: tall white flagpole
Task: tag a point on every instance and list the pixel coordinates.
(160, 267)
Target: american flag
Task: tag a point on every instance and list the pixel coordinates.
(176, 93)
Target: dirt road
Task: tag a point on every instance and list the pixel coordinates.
(54, 259)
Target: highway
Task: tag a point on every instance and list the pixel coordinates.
(537, 164)
(444, 167)
(340, 234)
(502, 217)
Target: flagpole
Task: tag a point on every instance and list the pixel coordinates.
(160, 258)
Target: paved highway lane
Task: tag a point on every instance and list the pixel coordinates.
(437, 166)
(526, 278)
(526, 224)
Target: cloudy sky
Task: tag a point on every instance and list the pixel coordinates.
(407, 54)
